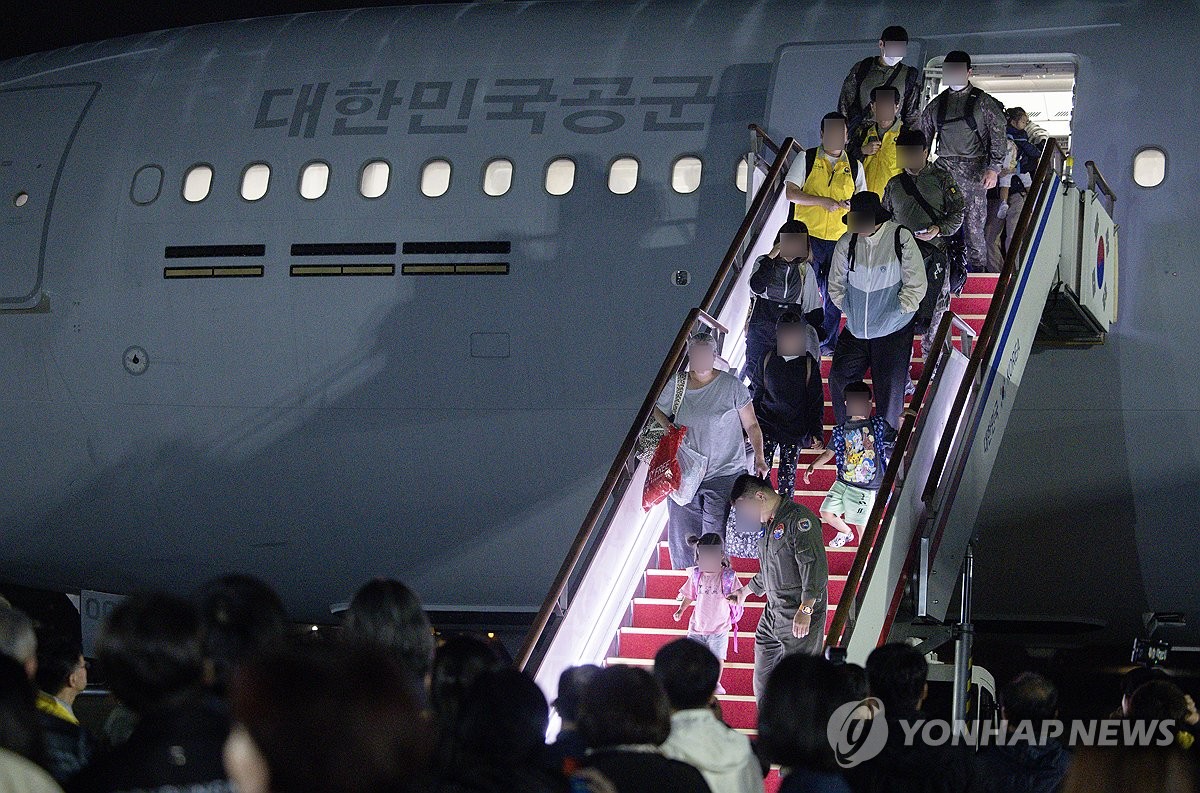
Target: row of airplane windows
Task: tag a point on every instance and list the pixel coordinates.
(375, 175)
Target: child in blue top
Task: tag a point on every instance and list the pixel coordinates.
(862, 446)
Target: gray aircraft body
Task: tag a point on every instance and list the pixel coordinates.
(320, 390)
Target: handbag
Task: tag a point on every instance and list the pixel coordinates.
(664, 469)
(654, 432)
(692, 467)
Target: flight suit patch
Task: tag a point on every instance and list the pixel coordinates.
(778, 533)
(804, 525)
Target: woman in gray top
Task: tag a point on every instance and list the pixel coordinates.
(716, 409)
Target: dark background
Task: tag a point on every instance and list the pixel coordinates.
(46, 26)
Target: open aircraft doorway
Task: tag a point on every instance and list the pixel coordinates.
(1042, 84)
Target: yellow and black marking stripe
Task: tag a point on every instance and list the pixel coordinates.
(212, 251)
(311, 270)
(461, 268)
(457, 248)
(344, 249)
(251, 271)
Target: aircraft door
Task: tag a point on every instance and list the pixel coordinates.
(807, 79)
(37, 126)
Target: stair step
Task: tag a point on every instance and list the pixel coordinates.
(664, 585)
(737, 678)
(645, 642)
(840, 559)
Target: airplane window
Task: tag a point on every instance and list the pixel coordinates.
(742, 176)
(21, 199)
(435, 178)
(1150, 167)
(497, 177)
(622, 175)
(314, 180)
(197, 183)
(147, 184)
(374, 179)
(560, 176)
(255, 180)
(685, 176)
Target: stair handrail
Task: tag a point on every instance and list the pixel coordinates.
(1100, 185)
(880, 518)
(984, 347)
(624, 464)
(1006, 286)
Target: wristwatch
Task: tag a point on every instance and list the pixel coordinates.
(806, 610)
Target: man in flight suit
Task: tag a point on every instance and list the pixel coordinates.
(793, 574)
(969, 125)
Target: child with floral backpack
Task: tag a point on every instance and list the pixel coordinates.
(709, 583)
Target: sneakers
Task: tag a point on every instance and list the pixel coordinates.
(840, 540)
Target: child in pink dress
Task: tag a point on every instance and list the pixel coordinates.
(709, 584)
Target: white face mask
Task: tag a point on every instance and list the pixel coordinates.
(892, 60)
(954, 87)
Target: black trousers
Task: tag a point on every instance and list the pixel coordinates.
(887, 358)
(761, 337)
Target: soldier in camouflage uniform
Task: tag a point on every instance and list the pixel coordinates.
(887, 68)
(969, 125)
(926, 198)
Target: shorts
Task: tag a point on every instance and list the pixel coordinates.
(718, 643)
(852, 503)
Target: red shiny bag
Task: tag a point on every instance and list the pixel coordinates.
(665, 473)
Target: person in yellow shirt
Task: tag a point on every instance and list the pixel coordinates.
(819, 185)
(874, 139)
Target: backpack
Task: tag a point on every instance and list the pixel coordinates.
(863, 68)
(729, 584)
(953, 264)
(968, 115)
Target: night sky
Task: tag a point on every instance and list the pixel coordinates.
(55, 23)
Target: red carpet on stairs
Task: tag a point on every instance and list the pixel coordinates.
(650, 624)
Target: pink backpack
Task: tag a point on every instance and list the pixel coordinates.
(729, 584)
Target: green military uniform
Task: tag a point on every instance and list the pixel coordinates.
(792, 569)
(941, 192)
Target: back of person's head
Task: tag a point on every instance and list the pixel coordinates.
(58, 659)
(151, 651)
(336, 717)
(573, 681)
(388, 613)
(18, 640)
(1120, 769)
(688, 672)
(1158, 700)
(855, 679)
(240, 615)
(1139, 676)
(624, 706)
(19, 728)
(896, 675)
(1031, 698)
(801, 695)
(503, 719)
(456, 664)
(1014, 114)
